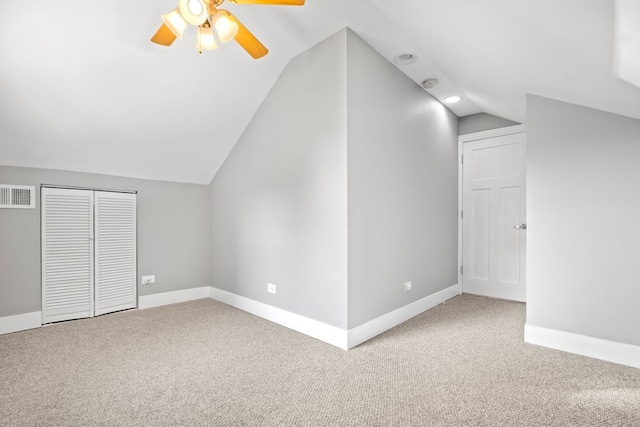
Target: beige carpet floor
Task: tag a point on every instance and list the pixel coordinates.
(203, 363)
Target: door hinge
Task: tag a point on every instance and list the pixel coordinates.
(462, 159)
(461, 270)
(461, 214)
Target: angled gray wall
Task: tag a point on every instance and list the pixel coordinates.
(583, 231)
(480, 122)
(173, 239)
(279, 202)
(403, 187)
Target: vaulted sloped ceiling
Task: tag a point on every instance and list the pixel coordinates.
(82, 88)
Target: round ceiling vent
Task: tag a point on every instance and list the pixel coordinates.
(430, 83)
(405, 58)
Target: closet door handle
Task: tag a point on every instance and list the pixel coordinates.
(520, 227)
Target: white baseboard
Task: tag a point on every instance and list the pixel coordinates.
(313, 328)
(375, 327)
(341, 338)
(173, 297)
(610, 351)
(20, 322)
(33, 320)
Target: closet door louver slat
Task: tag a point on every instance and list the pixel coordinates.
(67, 254)
(115, 269)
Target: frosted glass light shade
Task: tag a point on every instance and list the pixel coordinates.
(193, 11)
(226, 28)
(206, 39)
(175, 22)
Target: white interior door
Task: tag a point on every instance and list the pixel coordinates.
(115, 252)
(494, 221)
(67, 254)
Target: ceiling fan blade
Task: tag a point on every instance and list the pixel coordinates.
(164, 36)
(248, 41)
(274, 2)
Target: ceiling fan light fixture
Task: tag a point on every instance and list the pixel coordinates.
(225, 27)
(193, 11)
(206, 41)
(175, 22)
(214, 25)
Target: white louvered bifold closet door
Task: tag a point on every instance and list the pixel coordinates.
(67, 254)
(115, 252)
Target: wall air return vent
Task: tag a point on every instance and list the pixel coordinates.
(17, 196)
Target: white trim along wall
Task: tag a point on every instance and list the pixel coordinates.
(173, 297)
(20, 322)
(611, 351)
(341, 338)
(624, 354)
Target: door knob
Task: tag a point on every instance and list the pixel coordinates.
(520, 227)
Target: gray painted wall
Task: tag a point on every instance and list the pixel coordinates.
(279, 202)
(583, 207)
(480, 122)
(403, 187)
(277, 210)
(173, 238)
(279, 207)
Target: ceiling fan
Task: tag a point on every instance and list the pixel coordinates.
(213, 23)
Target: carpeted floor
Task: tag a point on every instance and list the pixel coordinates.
(203, 363)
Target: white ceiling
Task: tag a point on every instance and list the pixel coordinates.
(82, 88)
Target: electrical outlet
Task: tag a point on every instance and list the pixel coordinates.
(147, 280)
(407, 286)
(271, 288)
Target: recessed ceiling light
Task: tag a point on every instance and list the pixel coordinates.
(452, 99)
(405, 58)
